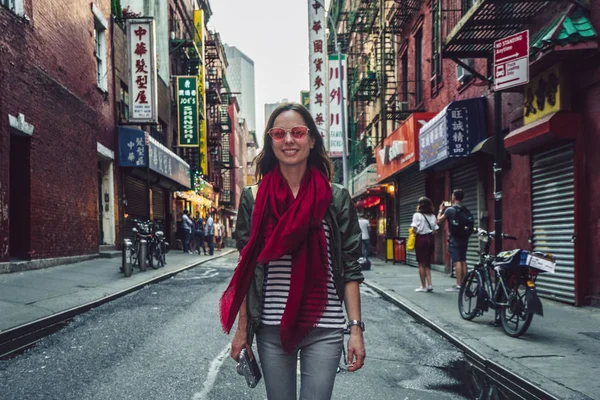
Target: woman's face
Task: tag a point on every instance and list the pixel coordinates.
(291, 152)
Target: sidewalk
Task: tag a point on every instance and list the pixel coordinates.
(29, 296)
(560, 352)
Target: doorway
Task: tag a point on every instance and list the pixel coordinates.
(20, 198)
(100, 206)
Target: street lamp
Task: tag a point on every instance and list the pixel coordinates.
(344, 139)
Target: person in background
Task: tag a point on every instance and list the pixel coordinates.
(365, 236)
(424, 225)
(219, 234)
(457, 245)
(199, 233)
(300, 236)
(209, 234)
(187, 226)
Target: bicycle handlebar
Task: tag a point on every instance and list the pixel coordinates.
(493, 234)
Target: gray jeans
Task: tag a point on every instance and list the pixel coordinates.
(320, 354)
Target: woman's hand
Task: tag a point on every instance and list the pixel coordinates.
(238, 343)
(356, 349)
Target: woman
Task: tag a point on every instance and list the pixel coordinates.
(299, 261)
(218, 234)
(424, 225)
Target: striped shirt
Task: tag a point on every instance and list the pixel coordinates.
(277, 287)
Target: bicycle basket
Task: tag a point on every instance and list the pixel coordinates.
(519, 258)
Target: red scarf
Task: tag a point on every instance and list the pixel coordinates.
(282, 224)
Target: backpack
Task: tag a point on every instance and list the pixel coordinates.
(199, 226)
(462, 224)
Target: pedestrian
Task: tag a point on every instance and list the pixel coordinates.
(283, 234)
(365, 236)
(424, 225)
(199, 233)
(187, 225)
(209, 233)
(219, 234)
(460, 227)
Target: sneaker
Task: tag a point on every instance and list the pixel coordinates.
(190, 252)
(454, 288)
(421, 289)
(429, 288)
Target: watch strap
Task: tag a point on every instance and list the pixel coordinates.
(357, 322)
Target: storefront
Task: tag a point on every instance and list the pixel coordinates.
(397, 164)
(366, 196)
(446, 145)
(150, 172)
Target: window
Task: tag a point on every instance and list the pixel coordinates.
(100, 26)
(419, 67)
(124, 103)
(436, 59)
(15, 6)
(466, 5)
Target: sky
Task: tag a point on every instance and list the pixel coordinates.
(274, 34)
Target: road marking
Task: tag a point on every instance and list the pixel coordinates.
(213, 371)
(368, 292)
(209, 273)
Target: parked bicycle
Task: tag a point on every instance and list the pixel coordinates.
(157, 247)
(512, 293)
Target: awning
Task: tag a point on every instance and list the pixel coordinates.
(452, 133)
(551, 128)
(139, 150)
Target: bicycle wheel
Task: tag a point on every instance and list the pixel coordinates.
(151, 251)
(158, 256)
(467, 296)
(515, 319)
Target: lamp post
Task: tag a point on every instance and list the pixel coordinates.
(343, 113)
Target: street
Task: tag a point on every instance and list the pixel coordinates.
(165, 342)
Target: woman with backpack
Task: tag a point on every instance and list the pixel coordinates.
(424, 225)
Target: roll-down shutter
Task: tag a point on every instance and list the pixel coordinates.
(410, 187)
(552, 190)
(466, 177)
(137, 202)
(158, 203)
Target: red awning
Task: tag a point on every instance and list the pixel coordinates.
(547, 130)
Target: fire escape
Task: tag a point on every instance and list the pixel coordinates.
(361, 28)
(214, 102)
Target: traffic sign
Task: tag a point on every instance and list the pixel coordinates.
(511, 61)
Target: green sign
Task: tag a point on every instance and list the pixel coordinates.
(305, 98)
(187, 111)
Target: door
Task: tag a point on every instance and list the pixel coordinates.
(20, 198)
(552, 193)
(411, 187)
(100, 207)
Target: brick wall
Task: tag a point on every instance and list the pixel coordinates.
(48, 73)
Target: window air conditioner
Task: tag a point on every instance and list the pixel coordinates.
(461, 73)
(402, 106)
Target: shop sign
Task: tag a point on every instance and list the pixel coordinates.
(187, 111)
(511, 61)
(305, 99)
(364, 180)
(543, 95)
(400, 149)
(453, 132)
(336, 77)
(132, 148)
(201, 90)
(317, 49)
(141, 48)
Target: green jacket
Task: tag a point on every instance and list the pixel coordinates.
(345, 241)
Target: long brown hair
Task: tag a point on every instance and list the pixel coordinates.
(425, 206)
(265, 161)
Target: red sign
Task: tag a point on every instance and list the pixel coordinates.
(511, 61)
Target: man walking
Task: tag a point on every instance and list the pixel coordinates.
(187, 225)
(209, 232)
(364, 229)
(460, 228)
(199, 233)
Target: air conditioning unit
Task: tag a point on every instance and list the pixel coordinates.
(461, 73)
(402, 106)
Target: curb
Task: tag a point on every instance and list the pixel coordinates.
(514, 382)
(24, 336)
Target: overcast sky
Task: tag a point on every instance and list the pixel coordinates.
(273, 33)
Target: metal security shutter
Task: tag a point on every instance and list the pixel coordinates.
(158, 203)
(553, 219)
(410, 188)
(137, 202)
(466, 178)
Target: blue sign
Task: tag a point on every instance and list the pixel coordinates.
(453, 132)
(138, 149)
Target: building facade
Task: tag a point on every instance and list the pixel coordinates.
(240, 75)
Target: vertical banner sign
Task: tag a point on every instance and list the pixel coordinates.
(141, 49)
(335, 105)
(187, 111)
(199, 42)
(318, 67)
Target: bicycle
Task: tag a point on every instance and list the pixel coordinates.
(512, 293)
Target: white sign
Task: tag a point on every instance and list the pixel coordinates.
(336, 137)
(141, 49)
(318, 67)
(511, 61)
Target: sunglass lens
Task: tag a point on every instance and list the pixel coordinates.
(299, 131)
(277, 133)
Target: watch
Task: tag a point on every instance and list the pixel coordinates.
(353, 322)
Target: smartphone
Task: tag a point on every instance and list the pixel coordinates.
(447, 203)
(248, 369)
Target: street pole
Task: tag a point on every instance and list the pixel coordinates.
(498, 164)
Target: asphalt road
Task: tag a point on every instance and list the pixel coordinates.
(165, 342)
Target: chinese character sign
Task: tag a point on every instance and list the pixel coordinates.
(334, 98)
(132, 148)
(187, 110)
(318, 67)
(202, 139)
(142, 70)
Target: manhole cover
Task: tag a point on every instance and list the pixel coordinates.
(593, 335)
